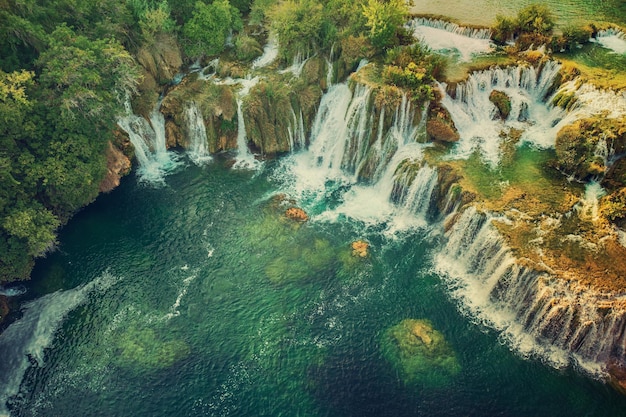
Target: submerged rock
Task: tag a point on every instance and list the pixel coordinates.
(419, 353)
(143, 348)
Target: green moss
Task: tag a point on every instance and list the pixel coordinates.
(502, 103)
(419, 353)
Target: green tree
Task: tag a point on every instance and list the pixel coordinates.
(36, 225)
(536, 18)
(87, 78)
(384, 20)
(206, 32)
(298, 24)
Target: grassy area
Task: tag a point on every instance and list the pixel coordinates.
(525, 182)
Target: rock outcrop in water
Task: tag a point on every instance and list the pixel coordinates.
(419, 353)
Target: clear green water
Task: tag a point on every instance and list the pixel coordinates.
(218, 306)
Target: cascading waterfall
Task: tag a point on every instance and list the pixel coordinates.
(244, 159)
(613, 39)
(340, 126)
(297, 66)
(530, 91)
(444, 36)
(198, 150)
(270, 52)
(476, 118)
(343, 149)
(557, 320)
(148, 139)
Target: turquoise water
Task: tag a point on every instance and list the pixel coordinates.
(206, 301)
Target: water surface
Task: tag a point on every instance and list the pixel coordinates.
(201, 299)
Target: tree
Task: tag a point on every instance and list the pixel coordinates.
(384, 20)
(35, 225)
(297, 23)
(206, 32)
(536, 18)
(87, 78)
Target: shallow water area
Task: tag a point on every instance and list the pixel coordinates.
(202, 299)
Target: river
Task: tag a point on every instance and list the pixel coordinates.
(200, 299)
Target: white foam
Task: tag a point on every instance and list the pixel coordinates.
(270, 52)
(444, 36)
(613, 39)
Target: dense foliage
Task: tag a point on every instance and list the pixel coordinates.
(64, 75)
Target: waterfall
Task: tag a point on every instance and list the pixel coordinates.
(297, 66)
(476, 117)
(339, 130)
(24, 342)
(149, 142)
(559, 321)
(244, 159)
(590, 202)
(613, 39)
(270, 52)
(198, 150)
(296, 132)
(444, 36)
(345, 147)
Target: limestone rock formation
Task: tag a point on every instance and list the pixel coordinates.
(118, 165)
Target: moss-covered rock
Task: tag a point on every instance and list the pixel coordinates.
(582, 146)
(247, 48)
(440, 126)
(502, 102)
(118, 165)
(269, 111)
(615, 177)
(161, 58)
(419, 353)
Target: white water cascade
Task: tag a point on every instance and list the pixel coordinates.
(270, 52)
(24, 342)
(444, 36)
(198, 150)
(613, 39)
(476, 117)
(148, 139)
(244, 159)
(345, 148)
(296, 132)
(296, 67)
(559, 321)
